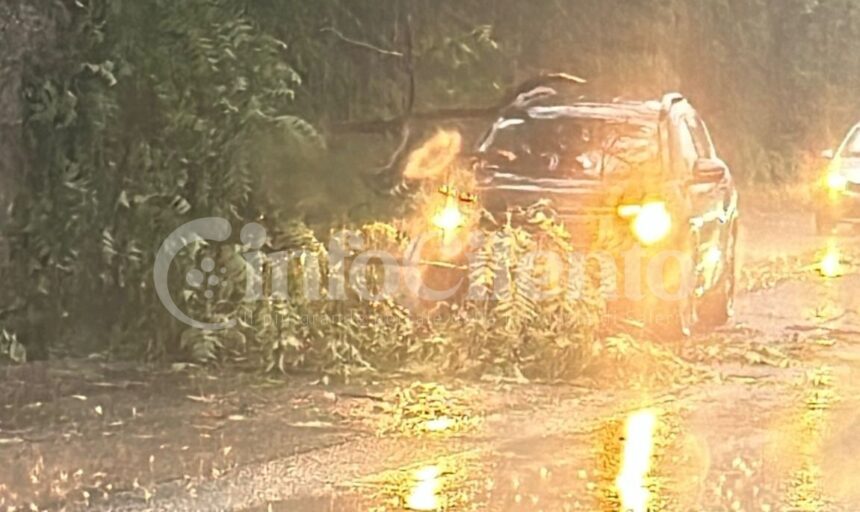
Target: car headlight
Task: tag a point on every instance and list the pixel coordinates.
(837, 181)
(449, 218)
(651, 221)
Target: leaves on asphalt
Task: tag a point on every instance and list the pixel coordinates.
(428, 409)
(625, 361)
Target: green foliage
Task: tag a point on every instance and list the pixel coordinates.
(11, 349)
(164, 111)
(146, 128)
(521, 333)
(543, 321)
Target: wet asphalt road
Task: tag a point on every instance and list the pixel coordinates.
(772, 423)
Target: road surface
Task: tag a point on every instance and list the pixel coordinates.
(761, 416)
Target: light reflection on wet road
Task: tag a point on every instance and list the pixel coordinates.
(758, 437)
(752, 458)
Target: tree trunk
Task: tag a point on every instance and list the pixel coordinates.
(28, 37)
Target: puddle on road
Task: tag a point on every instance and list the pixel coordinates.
(445, 483)
(424, 495)
(616, 468)
(644, 462)
(545, 474)
(631, 483)
(630, 456)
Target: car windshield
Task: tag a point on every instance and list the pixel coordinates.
(852, 145)
(570, 147)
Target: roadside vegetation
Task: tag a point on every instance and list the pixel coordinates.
(149, 113)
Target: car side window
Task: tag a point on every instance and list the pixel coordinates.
(687, 151)
(701, 137)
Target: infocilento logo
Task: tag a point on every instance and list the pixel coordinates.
(405, 276)
(210, 229)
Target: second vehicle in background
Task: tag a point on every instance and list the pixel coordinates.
(841, 185)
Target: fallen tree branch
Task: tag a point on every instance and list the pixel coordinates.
(516, 94)
(392, 124)
(362, 44)
(829, 330)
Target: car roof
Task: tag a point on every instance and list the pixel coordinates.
(644, 112)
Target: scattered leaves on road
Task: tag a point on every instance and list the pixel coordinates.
(427, 409)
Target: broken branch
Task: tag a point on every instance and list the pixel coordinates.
(362, 44)
(517, 93)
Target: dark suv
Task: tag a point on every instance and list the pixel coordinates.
(626, 178)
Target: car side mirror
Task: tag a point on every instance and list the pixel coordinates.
(709, 170)
(829, 154)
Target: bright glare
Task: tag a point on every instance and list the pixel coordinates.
(423, 496)
(449, 218)
(652, 224)
(713, 256)
(837, 181)
(439, 424)
(628, 211)
(636, 461)
(831, 264)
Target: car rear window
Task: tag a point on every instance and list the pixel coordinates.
(570, 147)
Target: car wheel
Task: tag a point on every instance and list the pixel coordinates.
(824, 223)
(719, 304)
(686, 317)
(674, 319)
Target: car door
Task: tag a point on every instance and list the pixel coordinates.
(712, 201)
